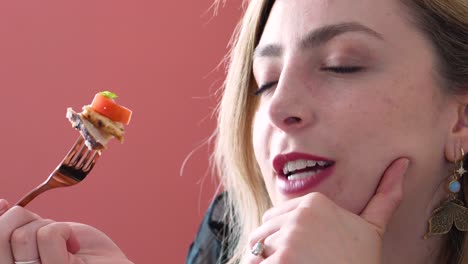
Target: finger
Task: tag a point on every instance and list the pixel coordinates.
(266, 229)
(271, 244)
(23, 240)
(269, 248)
(250, 258)
(274, 259)
(283, 208)
(388, 196)
(53, 243)
(4, 206)
(12, 219)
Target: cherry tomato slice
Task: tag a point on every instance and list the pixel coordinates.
(110, 109)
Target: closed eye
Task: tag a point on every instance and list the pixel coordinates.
(343, 69)
(335, 69)
(262, 88)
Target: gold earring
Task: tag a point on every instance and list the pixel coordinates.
(452, 211)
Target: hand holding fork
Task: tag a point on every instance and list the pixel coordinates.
(27, 238)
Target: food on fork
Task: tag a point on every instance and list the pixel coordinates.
(100, 121)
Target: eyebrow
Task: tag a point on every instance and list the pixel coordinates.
(317, 37)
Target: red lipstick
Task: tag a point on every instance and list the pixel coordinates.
(301, 180)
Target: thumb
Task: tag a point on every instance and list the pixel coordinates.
(388, 196)
(55, 241)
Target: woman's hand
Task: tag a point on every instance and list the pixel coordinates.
(24, 236)
(313, 229)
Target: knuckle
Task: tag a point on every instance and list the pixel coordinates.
(7, 221)
(314, 198)
(44, 233)
(306, 212)
(17, 210)
(315, 204)
(48, 231)
(22, 236)
(301, 215)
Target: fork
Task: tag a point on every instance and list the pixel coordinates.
(73, 169)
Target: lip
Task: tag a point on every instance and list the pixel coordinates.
(299, 186)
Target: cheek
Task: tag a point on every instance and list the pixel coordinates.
(365, 146)
(399, 124)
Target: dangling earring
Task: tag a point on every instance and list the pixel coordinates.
(452, 211)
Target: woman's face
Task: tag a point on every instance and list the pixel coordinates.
(350, 87)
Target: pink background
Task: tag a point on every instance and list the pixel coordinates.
(160, 57)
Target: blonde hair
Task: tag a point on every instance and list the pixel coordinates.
(445, 23)
(247, 198)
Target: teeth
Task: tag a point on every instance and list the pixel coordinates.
(321, 163)
(302, 163)
(302, 175)
(295, 165)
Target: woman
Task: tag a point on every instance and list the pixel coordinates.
(341, 132)
(368, 87)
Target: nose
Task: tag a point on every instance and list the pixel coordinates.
(291, 106)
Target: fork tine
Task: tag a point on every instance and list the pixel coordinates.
(84, 160)
(92, 161)
(79, 154)
(79, 143)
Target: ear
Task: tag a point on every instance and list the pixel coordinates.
(458, 137)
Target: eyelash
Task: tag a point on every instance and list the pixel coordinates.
(262, 88)
(338, 69)
(343, 69)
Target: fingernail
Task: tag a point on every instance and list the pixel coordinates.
(406, 164)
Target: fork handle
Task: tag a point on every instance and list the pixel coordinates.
(33, 194)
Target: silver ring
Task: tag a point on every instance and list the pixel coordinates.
(258, 248)
(36, 261)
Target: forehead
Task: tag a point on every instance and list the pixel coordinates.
(291, 20)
